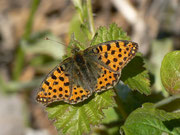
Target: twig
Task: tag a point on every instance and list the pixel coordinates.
(90, 17)
(127, 10)
(167, 100)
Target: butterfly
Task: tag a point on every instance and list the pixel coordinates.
(94, 69)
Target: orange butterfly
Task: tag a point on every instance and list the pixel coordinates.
(94, 69)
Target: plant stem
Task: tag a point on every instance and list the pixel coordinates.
(29, 23)
(79, 9)
(90, 18)
(167, 100)
(19, 63)
(19, 60)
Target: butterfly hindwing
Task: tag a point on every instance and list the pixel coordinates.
(79, 94)
(106, 80)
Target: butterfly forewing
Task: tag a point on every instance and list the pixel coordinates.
(116, 54)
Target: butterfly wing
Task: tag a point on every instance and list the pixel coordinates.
(111, 57)
(59, 86)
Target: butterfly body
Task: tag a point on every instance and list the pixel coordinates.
(94, 69)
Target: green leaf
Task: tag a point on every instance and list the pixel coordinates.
(78, 119)
(151, 121)
(170, 72)
(136, 76)
(112, 33)
(111, 115)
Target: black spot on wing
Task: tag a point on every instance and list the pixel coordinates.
(108, 47)
(62, 68)
(60, 89)
(120, 63)
(108, 62)
(100, 47)
(115, 59)
(124, 58)
(106, 55)
(113, 52)
(61, 78)
(54, 90)
(47, 83)
(66, 84)
(117, 44)
(58, 70)
(53, 77)
(55, 83)
(119, 55)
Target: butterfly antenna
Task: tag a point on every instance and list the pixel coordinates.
(56, 41)
(74, 43)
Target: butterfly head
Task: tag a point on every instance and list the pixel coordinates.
(75, 50)
(75, 45)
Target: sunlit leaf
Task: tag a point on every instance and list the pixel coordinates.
(151, 121)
